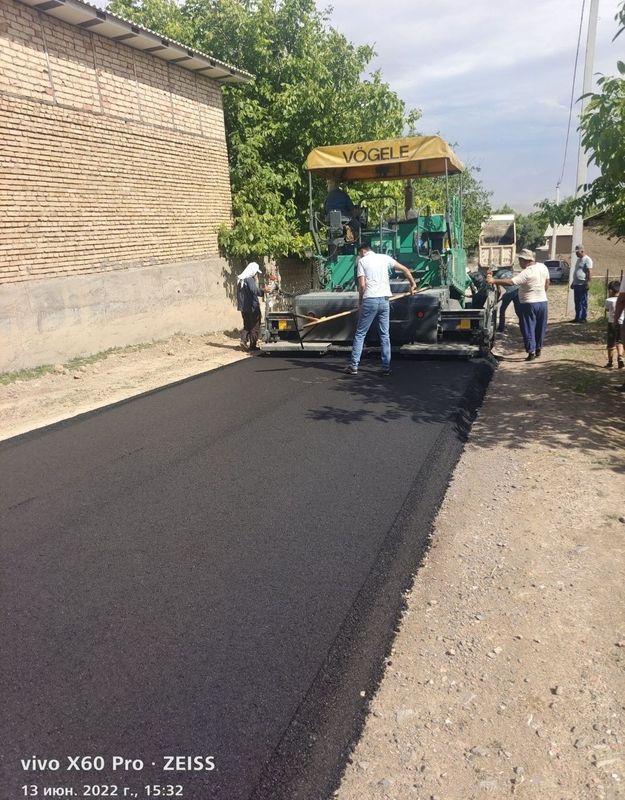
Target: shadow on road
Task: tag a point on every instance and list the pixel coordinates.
(563, 398)
(425, 391)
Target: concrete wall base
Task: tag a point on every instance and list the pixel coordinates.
(50, 321)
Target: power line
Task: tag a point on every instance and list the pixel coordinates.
(568, 130)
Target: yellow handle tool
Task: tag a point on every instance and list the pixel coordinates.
(354, 310)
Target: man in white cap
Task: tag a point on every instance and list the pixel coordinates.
(582, 273)
(533, 281)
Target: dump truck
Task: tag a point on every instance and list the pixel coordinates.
(452, 312)
(497, 246)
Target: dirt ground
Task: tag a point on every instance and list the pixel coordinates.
(507, 677)
(39, 399)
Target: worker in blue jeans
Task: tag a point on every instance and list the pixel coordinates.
(374, 291)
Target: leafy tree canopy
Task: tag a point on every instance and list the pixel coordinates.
(308, 91)
(561, 213)
(603, 135)
(475, 201)
(504, 209)
(530, 230)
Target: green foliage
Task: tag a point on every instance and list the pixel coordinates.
(162, 16)
(475, 201)
(598, 296)
(603, 135)
(530, 230)
(562, 213)
(620, 18)
(308, 91)
(505, 209)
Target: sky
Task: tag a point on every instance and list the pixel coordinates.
(492, 77)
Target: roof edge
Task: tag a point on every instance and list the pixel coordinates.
(84, 15)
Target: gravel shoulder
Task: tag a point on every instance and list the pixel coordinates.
(507, 677)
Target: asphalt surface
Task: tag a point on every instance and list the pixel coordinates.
(214, 569)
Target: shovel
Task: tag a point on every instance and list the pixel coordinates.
(354, 310)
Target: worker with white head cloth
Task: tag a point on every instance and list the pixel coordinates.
(248, 292)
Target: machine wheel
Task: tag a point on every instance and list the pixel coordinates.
(488, 333)
(487, 340)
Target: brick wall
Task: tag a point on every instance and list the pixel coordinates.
(108, 157)
(608, 255)
(111, 162)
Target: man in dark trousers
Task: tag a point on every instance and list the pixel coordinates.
(533, 282)
(248, 292)
(582, 273)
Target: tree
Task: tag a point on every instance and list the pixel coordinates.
(475, 201)
(307, 91)
(505, 209)
(603, 135)
(530, 230)
(562, 213)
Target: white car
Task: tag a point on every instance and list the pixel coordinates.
(558, 270)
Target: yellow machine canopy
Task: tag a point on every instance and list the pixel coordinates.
(385, 160)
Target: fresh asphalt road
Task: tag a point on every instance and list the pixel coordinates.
(179, 568)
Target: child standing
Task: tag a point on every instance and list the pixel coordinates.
(614, 327)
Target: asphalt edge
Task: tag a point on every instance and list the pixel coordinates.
(310, 760)
(19, 438)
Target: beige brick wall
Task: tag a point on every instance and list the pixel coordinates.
(109, 158)
(608, 255)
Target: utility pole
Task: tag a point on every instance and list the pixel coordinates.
(554, 228)
(582, 162)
